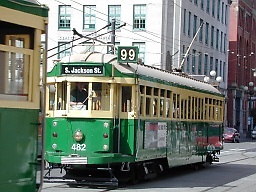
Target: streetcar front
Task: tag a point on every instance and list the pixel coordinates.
(87, 117)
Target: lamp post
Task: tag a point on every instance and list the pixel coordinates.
(250, 93)
(211, 80)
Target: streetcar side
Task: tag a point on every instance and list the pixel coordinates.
(22, 24)
(134, 122)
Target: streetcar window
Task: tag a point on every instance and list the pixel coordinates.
(182, 108)
(51, 94)
(79, 96)
(189, 107)
(14, 85)
(162, 107)
(155, 107)
(168, 102)
(162, 102)
(148, 104)
(148, 100)
(96, 100)
(176, 105)
(126, 98)
(142, 102)
(61, 95)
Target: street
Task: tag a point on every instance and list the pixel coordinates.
(236, 171)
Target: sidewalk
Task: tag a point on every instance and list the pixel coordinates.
(243, 138)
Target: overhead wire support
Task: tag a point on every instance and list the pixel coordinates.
(108, 25)
(86, 36)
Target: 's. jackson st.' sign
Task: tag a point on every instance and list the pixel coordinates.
(83, 70)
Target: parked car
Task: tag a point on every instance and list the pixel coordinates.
(253, 133)
(231, 135)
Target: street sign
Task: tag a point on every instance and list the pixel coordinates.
(127, 54)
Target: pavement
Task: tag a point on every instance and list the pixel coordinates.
(244, 138)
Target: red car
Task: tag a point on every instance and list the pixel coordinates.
(231, 134)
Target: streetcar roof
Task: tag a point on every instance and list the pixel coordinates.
(27, 6)
(143, 70)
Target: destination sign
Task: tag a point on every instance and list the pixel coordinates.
(82, 70)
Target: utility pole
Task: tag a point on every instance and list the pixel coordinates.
(113, 35)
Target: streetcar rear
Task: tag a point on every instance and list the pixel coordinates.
(22, 24)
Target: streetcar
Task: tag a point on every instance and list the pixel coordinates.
(22, 24)
(132, 121)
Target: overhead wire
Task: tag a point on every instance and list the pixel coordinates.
(146, 31)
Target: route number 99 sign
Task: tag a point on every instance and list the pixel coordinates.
(127, 54)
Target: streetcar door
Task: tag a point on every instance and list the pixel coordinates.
(126, 127)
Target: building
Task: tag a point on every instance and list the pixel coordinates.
(164, 31)
(242, 49)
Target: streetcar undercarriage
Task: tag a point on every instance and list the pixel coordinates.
(116, 173)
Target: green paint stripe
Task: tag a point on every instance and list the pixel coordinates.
(26, 7)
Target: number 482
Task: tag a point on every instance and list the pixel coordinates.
(78, 147)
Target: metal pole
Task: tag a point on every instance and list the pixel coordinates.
(186, 54)
(113, 35)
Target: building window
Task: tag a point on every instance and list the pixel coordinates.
(221, 41)
(211, 63)
(195, 25)
(217, 39)
(206, 33)
(212, 36)
(226, 14)
(188, 63)
(189, 23)
(222, 13)
(225, 40)
(184, 21)
(218, 10)
(224, 71)
(139, 17)
(202, 4)
(194, 61)
(221, 69)
(208, 6)
(114, 12)
(142, 48)
(89, 17)
(63, 49)
(216, 67)
(201, 31)
(64, 16)
(200, 64)
(213, 8)
(206, 64)
(183, 55)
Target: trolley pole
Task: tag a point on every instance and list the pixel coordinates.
(113, 35)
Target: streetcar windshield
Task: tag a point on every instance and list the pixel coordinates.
(79, 96)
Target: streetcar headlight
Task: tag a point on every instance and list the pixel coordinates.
(78, 135)
(106, 125)
(54, 145)
(54, 123)
(105, 147)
